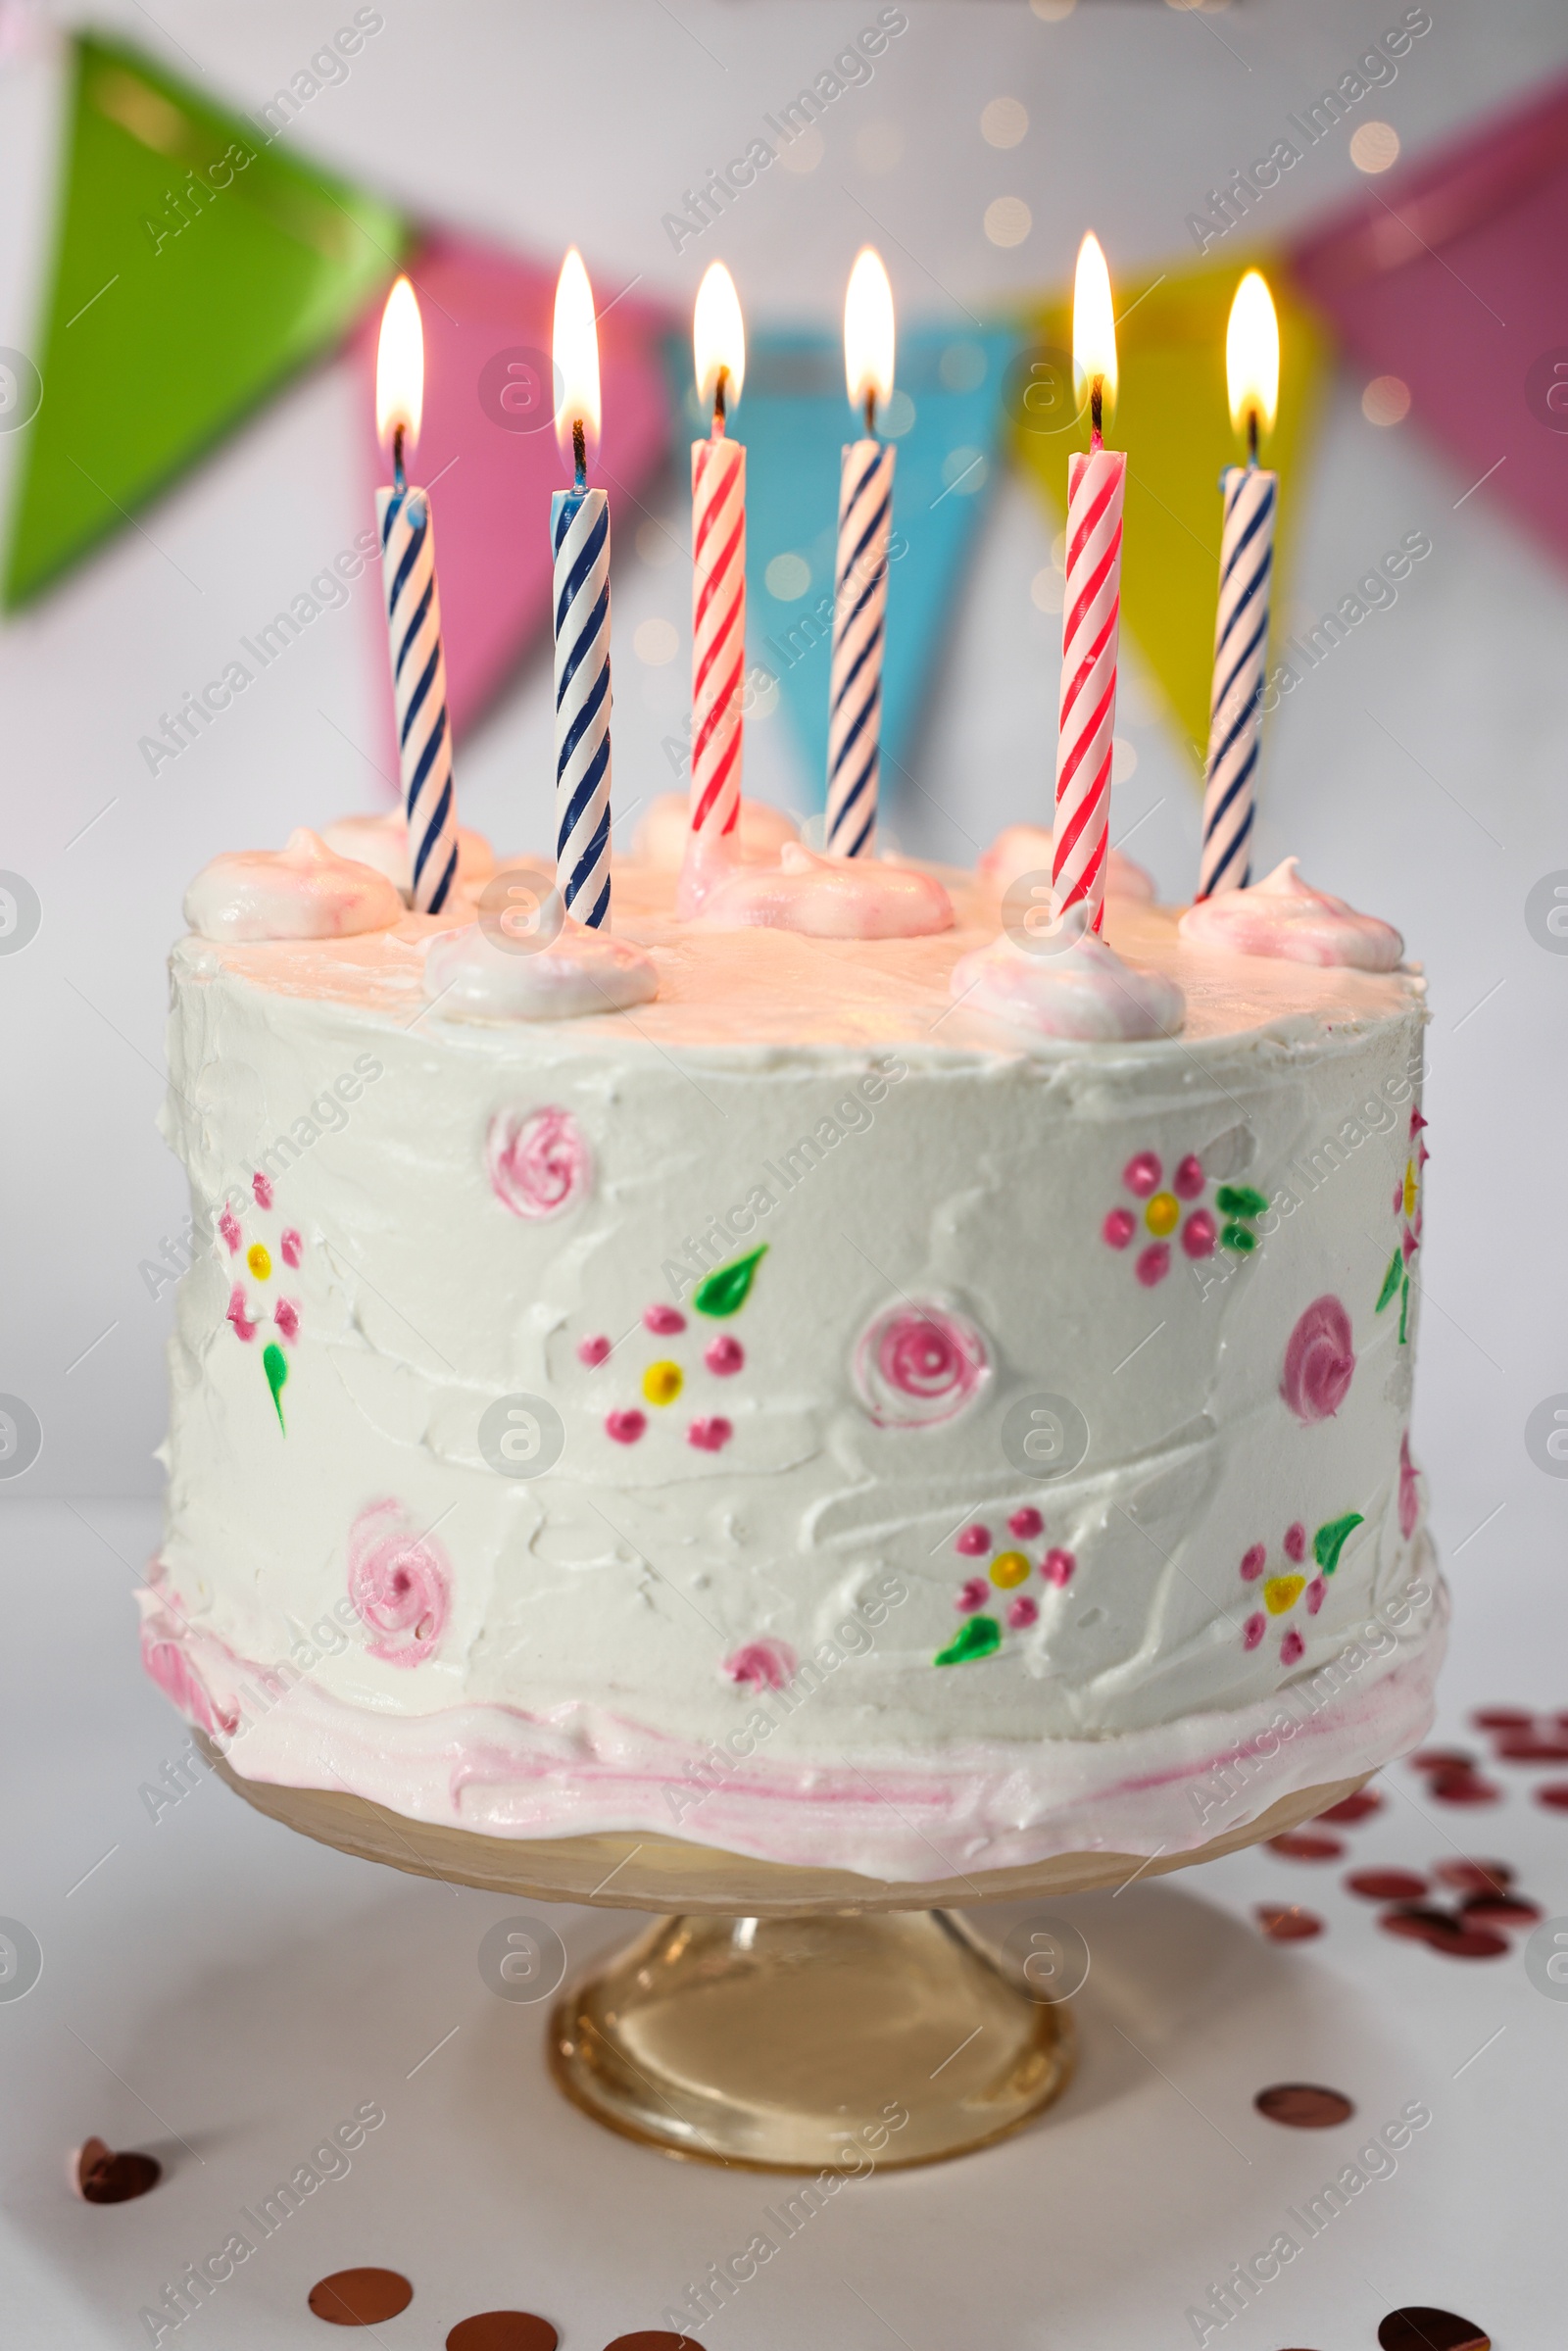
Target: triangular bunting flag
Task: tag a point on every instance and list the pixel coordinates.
(487, 448)
(1173, 418)
(1449, 277)
(795, 418)
(197, 266)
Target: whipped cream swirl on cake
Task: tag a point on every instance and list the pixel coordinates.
(1282, 915)
(302, 891)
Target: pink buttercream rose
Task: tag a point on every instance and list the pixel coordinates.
(1319, 1362)
(766, 1664)
(919, 1364)
(400, 1583)
(539, 1161)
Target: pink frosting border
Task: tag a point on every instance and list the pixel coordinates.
(582, 1771)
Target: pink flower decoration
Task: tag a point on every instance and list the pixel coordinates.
(1154, 1263)
(724, 1357)
(1409, 1488)
(918, 1365)
(710, 1435)
(1253, 1563)
(1295, 1541)
(230, 1231)
(400, 1584)
(1026, 1522)
(1398, 1197)
(1292, 1649)
(1119, 1227)
(1253, 1631)
(1142, 1173)
(165, 1659)
(261, 1187)
(244, 1328)
(1316, 1593)
(1022, 1611)
(664, 1321)
(1319, 1362)
(624, 1428)
(1189, 1179)
(539, 1161)
(973, 1543)
(291, 1247)
(1199, 1234)
(286, 1315)
(593, 1351)
(1057, 1568)
(974, 1594)
(1409, 1244)
(766, 1664)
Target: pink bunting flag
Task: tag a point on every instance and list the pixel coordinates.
(1447, 275)
(488, 454)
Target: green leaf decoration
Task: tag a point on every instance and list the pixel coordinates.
(1240, 1199)
(1239, 1236)
(727, 1288)
(1390, 1281)
(980, 1637)
(1405, 1311)
(198, 264)
(1331, 1538)
(275, 1365)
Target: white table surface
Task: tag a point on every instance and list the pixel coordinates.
(224, 1993)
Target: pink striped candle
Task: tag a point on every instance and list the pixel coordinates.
(1096, 483)
(718, 596)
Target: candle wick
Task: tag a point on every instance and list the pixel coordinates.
(1252, 436)
(579, 454)
(870, 415)
(1097, 410)
(721, 403)
(399, 477)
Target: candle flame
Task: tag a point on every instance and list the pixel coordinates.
(869, 331)
(574, 348)
(1093, 326)
(718, 337)
(400, 366)
(1253, 355)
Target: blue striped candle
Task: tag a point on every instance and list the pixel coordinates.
(579, 536)
(1241, 649)
(860, 612)
(418, 689)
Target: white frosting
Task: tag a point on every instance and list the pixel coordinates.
(1282, 915)
(456, 1215)
(1020, 848)
(1072, 985)
(382, 841)
(666, 825)
(473, 975)
(828, 897)
(302, 891)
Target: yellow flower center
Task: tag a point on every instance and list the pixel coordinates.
(663, 1382)
(1283, 1592)
(259, 1264)
(1163, 1213)
(1009, 1568)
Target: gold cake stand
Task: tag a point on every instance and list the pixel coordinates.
(776, 2018)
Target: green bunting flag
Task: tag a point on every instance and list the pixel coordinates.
(196, 267)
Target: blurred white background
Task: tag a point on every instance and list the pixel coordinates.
(1421, 772)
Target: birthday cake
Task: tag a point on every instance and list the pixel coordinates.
(832, 1407)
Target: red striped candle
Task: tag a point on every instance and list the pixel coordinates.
(1096, 483)
(718, 597)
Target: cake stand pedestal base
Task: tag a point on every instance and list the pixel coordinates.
(805, 2044)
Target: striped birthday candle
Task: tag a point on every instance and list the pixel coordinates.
(718, 633)
(1096, 483)
(1241, 649)
(579, 536)
(860, 612)
(419, 689)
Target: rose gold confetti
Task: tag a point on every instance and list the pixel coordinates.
(1298, 1844)
(101, 2176)
(1474, 1877)
(652, 2341)
(1502, 1718)
(1418, 1925)
(1553, 1793)
(1499, 1910)
(1352, 1808)
(1287, 1922)
(360, 2297)
(1532, 1747)
(1419, 2328)
(1305, 2105)
(503, 2331)
(1385, 1885)
(1462, 1788)
(1443, 1759)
